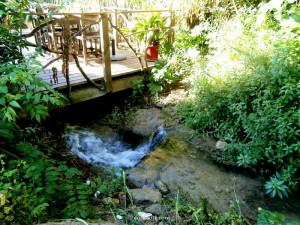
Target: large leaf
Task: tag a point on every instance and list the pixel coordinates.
(9, 130)
(266, 217)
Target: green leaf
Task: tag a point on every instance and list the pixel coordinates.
(3, 89)
(15, 104)
(71, 172)
(62, 168)
(50, 190)
(6, 134)
(296, 17)
(2, 101)
(83, 202)
(266, 217)
(38, 117)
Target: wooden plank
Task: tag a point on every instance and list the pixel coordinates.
(124, 83)
(106, 52)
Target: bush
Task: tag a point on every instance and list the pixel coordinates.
(247, 93)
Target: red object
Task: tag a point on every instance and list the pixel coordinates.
(152, 53)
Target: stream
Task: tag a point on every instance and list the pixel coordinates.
(106, 147)
(154, 146)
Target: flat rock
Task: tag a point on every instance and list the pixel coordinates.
(146, 195)
(161, 186)
(139, 177)
(155, 209)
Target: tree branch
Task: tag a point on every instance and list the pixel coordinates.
(84, 74)
(128, 43)
(52, 61)
(36, 29)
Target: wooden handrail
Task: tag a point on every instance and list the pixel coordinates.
(144, 31)
(99, 13)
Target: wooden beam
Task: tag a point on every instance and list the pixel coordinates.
(124, 83)
(106, 52)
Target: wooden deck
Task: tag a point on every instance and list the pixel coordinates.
(113, 75)
(94, 70)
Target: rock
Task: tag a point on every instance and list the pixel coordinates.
(155, 209)
(144, 215)
(161, 186)
(139, 177)
(145, 122)
(146, 195)
(119, 217)
(220, 145)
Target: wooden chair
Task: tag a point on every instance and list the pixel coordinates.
(41, 36)
(56, 31)
(91, 35)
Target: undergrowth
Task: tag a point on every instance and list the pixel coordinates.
(246, 92)
(35, 187)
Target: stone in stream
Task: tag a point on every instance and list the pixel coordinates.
(146, 195)
(145, 122)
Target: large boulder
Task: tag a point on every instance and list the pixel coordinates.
(145, 122)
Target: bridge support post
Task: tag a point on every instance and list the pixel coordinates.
(104, 34)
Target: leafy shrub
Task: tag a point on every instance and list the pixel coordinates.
(20, 88)
(34, 186)
(246, 92)
(266, 217)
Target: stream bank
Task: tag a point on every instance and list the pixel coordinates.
(183, 164)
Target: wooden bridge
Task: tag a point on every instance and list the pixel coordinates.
(110, 76)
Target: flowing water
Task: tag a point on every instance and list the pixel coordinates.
(109, 148)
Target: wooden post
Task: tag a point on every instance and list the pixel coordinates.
(115, 32)
(106, 52)
(171, 35)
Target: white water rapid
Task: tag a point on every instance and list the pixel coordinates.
(108, 148)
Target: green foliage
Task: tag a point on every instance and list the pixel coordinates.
(39, 187)
(246, 92)
(20, 88)
(202, 214)
(276, 186)
(266, 217)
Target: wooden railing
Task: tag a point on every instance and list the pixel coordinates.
(109, 21)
